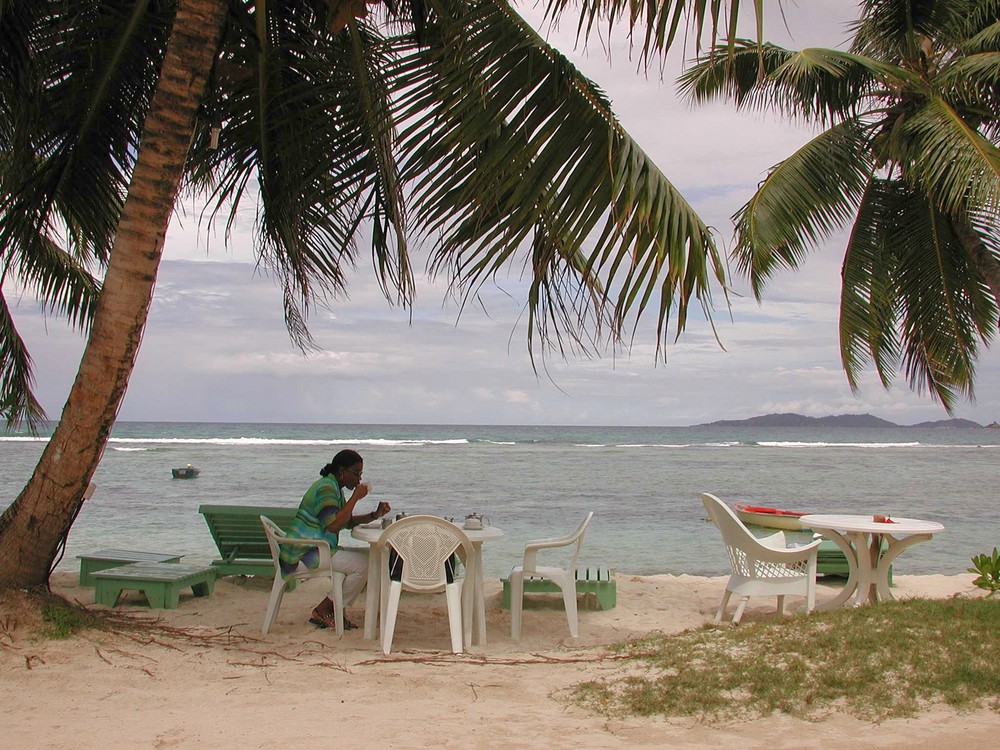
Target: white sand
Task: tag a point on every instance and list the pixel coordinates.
(302, 687)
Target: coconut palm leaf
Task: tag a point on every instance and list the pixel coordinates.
(869, 307)
(17, 399)
(507, 145)
(307, 92)
(75, 136)
(802, 201)
(915, 115)
(888, 29)
(946, 309)
(66, 145)
(814, 84)
(973, 83)
(661, 22)
(911, 297)
(954, 163)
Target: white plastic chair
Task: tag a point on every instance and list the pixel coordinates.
(275, 538)
(762, 566)
(564, 578)
(424, 545)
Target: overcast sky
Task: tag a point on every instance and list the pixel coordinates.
(216, 349)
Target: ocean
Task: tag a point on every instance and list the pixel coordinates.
(643, 483)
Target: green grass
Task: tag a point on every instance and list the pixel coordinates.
(61, 619)
(874, 662)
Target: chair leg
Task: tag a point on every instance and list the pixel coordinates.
(781, 605)
(277, 591)
(389, 622)
(569, 600)
(722, 607)
(516, 603)
(739, 609)
(453, 595)
(337, 586)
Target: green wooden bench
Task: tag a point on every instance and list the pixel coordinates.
(597, 581)
(113, 558)
(240, 537)
(830, 561)
(160, 582)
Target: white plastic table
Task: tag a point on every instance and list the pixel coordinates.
(475, 632)
(870, 547)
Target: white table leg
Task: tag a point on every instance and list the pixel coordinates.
(851, 585)
(867, 551)
(474, 572)
(373, 596)
(885, 561)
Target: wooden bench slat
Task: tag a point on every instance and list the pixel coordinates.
(113, 558)
(240, 539)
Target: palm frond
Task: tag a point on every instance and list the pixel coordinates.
(17, 399)
(890, 30)
(508, 146)
(953, 163)
(77, 111)
(987, 39)
(912, 296)
(661, 23)
(308, 118)
(56, 278)
(813, 84)
(972, 86)
(75, 82)
(801, 202)
(947, 309)
(869, 299)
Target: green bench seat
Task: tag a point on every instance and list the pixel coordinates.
(160, 582)
(113, 558)
(830, 561)
(240, 539)
(597, 581)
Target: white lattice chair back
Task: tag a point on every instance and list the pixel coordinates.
(762, 566)
(424, 543)
(746, 550)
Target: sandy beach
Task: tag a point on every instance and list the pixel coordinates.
(224, 684)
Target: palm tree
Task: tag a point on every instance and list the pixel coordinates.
(907, 154)
(448, 122)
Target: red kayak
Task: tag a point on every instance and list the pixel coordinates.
(773, 518)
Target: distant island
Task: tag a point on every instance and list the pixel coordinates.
(841, 420)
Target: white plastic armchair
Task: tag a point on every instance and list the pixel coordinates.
(564, 578)
(424, 545)
(762, 566)
(275, 538)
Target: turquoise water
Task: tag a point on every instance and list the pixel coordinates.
(643, 483)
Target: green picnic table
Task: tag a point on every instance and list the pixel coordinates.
(160, 582)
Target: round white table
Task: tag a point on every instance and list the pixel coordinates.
(870, 547)
(475, 632)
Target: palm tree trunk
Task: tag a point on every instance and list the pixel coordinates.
(33, 528)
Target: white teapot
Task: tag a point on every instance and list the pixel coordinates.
(474, 521)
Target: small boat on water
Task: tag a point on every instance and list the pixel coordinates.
(771, 518)
(185, 472)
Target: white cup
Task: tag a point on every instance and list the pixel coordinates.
(369, 483)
